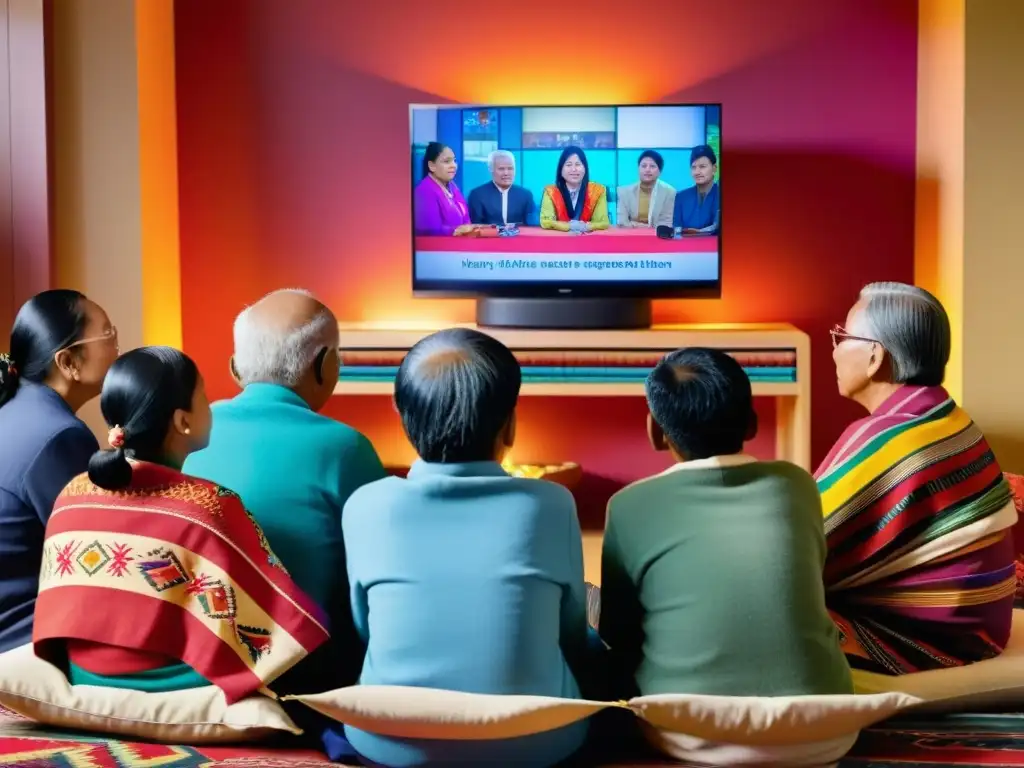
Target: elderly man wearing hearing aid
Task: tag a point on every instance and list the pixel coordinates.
(293, 467)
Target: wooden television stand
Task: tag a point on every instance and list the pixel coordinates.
(570, 363)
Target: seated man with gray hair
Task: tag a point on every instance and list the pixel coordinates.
(918, 517)
(293, 468)
(500, 201)
(464, 578)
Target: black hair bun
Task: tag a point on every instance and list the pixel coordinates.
(110, 470)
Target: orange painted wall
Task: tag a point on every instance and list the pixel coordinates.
(293, 163)
(158, 172)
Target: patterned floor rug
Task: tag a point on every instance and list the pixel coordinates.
(967, 741)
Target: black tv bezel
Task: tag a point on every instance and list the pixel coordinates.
(459, 289)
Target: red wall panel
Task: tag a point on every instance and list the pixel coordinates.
(293, 155)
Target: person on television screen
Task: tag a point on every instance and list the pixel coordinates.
(500, 201)
(438, 206)
(649, 202)
(698, 208)
(574, 203)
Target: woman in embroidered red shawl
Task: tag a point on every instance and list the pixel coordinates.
(154, 580)
(574, 203)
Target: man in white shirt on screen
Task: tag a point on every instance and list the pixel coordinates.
(500, 201)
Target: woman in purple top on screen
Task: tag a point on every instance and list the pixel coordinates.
(438, 205)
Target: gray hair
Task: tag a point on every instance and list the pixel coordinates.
(274, 355)
(499, 154)
(913, 327)
(455, 391)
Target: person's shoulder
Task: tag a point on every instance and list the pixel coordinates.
(226, 495)
(598, 187)
(667, 188)
(552, 503)
(523, 193)
(636, 493)
(625, 189)
(369, 499)
(66, 437)
(548, 492)
(477, 191)
(789, 481)
(788, 471)
(73, 428)
(340, 435)
(244, 411)
(224, 406)
(40, 406)
(196, 489)
(77, 486)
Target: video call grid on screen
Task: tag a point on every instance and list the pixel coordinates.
(613, 138)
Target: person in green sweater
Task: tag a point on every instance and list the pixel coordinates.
(711, 577)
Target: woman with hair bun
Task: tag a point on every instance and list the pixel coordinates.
(61, 347)
(154, 580)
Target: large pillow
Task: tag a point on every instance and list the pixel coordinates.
(38, 690)
(782, 731)
(426, 713)
(710, 730)
(997, 682)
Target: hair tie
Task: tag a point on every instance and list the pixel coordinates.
(116, 437)
(9, 361)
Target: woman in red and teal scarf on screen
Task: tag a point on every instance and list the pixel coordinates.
(920, 568)
(574, 203)
(156, 581)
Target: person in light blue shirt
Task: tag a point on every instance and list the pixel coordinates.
(462, 577)
(293, 468)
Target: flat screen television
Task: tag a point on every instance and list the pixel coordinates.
(587, 205)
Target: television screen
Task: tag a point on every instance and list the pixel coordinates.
(583, 201)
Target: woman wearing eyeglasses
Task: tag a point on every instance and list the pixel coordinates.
(61, 347)
(920, 568)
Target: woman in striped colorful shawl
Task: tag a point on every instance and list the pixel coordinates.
(920, 568)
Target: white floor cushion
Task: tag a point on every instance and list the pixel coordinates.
(710, 730)
(426, 713)
(778, 731)
(701, 730)
(38, 690)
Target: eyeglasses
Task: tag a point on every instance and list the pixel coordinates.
(839, 335)
(108, 335)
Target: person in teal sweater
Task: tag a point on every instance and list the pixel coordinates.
(464, 578)
(711, 577)
(293, 468)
